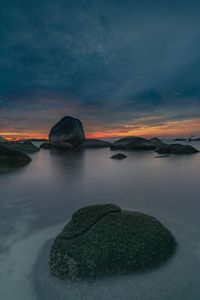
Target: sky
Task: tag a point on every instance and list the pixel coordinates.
(123, 67)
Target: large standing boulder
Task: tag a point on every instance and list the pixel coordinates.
(67, 133)
(176, 149)
(103, 240)
(13, 157)
(133, 143)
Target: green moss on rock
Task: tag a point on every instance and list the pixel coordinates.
(85, 218)
(103, 240)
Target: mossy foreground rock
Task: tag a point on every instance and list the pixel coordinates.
(103, 240)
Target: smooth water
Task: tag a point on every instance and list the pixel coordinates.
(39, 199)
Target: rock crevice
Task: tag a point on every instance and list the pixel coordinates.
(85, 218)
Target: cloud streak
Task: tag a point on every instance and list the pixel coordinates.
(109, 63)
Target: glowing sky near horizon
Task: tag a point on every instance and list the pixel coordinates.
(123, 67)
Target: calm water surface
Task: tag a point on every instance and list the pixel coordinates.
(37, 200)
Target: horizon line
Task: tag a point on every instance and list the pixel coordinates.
(19, 136)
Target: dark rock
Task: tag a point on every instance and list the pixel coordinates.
(46, 146)
(94, 143)
(2, 140)
(67, 131)
(161, 156)
(38, 140)
(25, 147)
(180, 139)
(119, 156)
(103, 240)
(176, 149)
(12, 157)
(60, 146)
(156, 142)
(84, 218)
(133, 143)
(64, 146)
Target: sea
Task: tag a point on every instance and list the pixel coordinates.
(38, 200)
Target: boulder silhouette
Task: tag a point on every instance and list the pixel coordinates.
(67, 131)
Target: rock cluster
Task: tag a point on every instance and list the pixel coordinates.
(68, 134)
(141, 144)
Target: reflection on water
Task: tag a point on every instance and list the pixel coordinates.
(37, 200)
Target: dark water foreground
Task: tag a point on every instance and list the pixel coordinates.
(39, 199)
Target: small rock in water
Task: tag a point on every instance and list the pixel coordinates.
(119, 156)
(103, 240)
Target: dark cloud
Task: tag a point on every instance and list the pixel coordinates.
(107, 62)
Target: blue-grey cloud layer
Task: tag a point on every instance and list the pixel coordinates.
(127, 59)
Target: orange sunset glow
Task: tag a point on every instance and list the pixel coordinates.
(169, 129)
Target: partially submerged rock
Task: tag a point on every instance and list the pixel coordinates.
(119, 156)
(176, 149)
(2, 140)
(94, 143)
(64, 146)
(162, 156)
(67, 131)
(46, 145)
(60, 146)
(25, 147)
(156, 142)
(12, 157)
(133, 143)
(103, 240)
